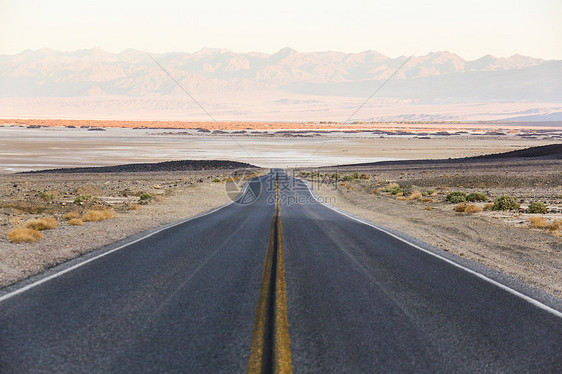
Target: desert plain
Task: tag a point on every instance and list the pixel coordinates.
(511, 241)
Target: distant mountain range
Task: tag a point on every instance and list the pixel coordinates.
(436, 77)
(439, 78)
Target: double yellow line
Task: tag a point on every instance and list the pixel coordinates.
(271, 348)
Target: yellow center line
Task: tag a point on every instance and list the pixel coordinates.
(271, 348)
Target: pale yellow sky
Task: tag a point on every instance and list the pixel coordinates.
(469, 28)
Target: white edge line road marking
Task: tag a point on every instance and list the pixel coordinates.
(475, 273)
(80, 264)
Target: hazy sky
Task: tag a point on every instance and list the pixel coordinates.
(470, 28)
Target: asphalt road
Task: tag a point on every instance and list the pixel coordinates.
(358, 300)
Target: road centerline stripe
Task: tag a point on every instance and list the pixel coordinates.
(271, 351)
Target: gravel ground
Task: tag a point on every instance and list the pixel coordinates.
(175, 196)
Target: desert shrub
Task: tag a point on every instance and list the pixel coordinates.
(364, 176)
(83, 198)
(217, 180)
(537, 207)
(24, 235)
(460, 207)
(427, 200)
(456, 197)
(429, 207)
(355, 175)
(476, 196)
(401, 197)
(429, 193)
(375, 191)
(472, 208)
(41, 224)
(335, 176)
(467, 208)
(505, 202)
(47, 196)
(145, 196)
(488, 206)
(134, 206)
(415, 195)
(538, 222)
(71, 215)
(554, 226)
(97, 215)
(393, 188)
(75, 222)
(347, 178)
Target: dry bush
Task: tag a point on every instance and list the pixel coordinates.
(134, 206)
(75, 222)
(71, 215)
(429, 207)
(415, 195)
(538, 222)
(488, 206)
(97, 215)
(24, 235)
(375, 191)
(460, 208)
(41, 224)
(471, 208)
(555, 226)
(400, 194)
(401, 198)
(467, 208)
(427, 200)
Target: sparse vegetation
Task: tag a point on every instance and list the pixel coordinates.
(467, 208)
(347, 178)
(364, 176)
(505, 202)
(41, 224)
(415, 195)
(538, 222)
(75, 222)
(217, 180)
(83, 198)
(24, 235)
(456, 197)
(476, 196)
(71, 215)
(97, 215)
(537, 207)
(144, 197)
(48, 196)
(394, 189)
(429, 192)
(541, 223)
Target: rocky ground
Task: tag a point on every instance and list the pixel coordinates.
(502, 239)
(139, 200)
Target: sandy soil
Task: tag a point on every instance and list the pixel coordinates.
(499, 239)
(176, 195)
